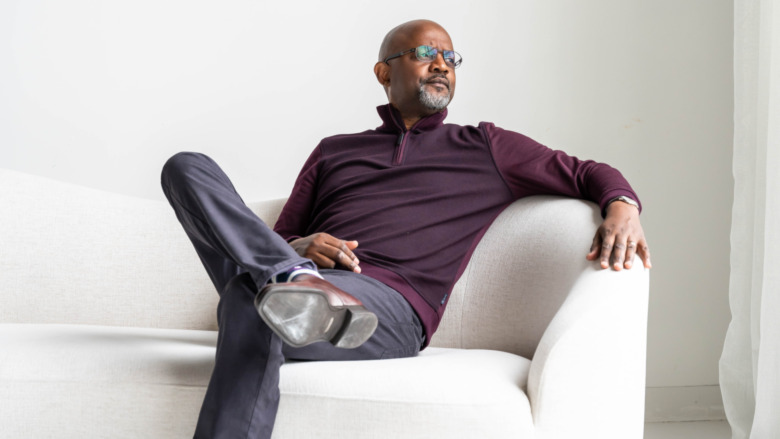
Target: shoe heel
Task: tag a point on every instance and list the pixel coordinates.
(300, 318)
(358, 326)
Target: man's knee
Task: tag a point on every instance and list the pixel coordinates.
(181, 164)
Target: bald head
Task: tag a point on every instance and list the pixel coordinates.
(400, 37)
(416, 87)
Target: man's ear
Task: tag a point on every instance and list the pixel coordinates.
(382, 72)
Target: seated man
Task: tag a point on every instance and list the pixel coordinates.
(376, 232)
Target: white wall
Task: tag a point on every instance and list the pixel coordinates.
(101, 93)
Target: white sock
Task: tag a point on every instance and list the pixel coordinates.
(288, 276)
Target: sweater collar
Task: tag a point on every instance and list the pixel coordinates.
(393, 122)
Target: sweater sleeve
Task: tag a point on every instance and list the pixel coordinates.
(294, 219)
(530, 168)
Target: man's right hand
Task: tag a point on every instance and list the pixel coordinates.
(327, 251)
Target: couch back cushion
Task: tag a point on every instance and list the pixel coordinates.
(76, 255)
(82, 256)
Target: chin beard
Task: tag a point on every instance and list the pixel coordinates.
(432, 101)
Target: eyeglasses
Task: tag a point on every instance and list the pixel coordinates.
(428, 54)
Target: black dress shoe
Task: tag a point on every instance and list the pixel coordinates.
(310, 309)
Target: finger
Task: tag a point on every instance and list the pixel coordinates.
(606, 251)
(644, 252)
(618, 253)
(342, 255)
(323, 261)
(595, 246)
(352, 245)
(320, 251)
(346, 249)
(349, 262)
(630, 252)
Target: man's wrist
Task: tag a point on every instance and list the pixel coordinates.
(624, 199)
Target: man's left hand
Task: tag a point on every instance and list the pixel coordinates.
(619, 238)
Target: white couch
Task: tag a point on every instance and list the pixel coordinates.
(107, 330)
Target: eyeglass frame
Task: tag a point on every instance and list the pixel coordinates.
(454, 65)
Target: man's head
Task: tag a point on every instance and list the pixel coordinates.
(416, 88)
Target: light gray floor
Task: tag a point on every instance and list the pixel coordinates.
(688, 430)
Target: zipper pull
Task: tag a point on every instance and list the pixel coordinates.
(400, 139)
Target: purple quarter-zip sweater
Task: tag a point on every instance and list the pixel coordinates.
(419, 200)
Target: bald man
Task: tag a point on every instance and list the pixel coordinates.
(374, 235)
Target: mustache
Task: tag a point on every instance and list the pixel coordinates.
(437, 79)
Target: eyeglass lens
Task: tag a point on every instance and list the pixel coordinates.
(428, 53)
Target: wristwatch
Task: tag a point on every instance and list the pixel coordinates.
(624, 199)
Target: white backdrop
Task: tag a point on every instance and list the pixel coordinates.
(101, 93)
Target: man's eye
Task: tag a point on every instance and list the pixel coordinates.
(427, 53)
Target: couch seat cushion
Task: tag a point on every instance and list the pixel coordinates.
(453, 393)
(102, 381)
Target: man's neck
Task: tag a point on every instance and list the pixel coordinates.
(410, 121)
(413, 117)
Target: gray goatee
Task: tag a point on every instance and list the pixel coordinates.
(432, 101)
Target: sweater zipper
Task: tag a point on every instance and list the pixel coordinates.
(400, 143)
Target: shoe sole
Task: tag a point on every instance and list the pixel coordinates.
(302, 316)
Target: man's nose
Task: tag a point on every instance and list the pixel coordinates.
(438, 64)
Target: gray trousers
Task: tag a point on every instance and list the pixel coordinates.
(240, 254)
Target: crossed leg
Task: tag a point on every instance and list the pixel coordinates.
(240, 254)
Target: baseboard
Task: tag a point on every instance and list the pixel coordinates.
(679, 404)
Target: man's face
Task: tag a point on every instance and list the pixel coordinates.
(420, 87)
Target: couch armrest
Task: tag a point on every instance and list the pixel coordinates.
(587, 376)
